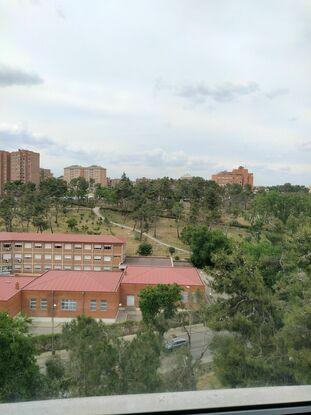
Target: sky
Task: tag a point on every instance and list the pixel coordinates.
(159, 87)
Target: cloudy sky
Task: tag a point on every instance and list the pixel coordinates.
(159, 87)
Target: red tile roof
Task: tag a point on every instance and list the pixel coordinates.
(162, 275)
(101, 281)
(8, 285)
(59, 237)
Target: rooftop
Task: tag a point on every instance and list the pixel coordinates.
(58, 237)
(8, 285)
(161, 275)
(90, 281)
(148, 261)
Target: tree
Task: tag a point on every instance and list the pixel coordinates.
(19, 373)
(204, 243)
(171, 250)
(145, 248)
(72, 223)
(158, 304)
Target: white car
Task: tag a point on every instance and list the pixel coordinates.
(175, 343)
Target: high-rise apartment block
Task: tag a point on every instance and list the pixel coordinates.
(45, 174)
(236, 176)
(5, 168)
(25, 166)
(97, 173)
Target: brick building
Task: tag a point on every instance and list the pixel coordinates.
(45, 174)
(135, 278)
(25, 166)
(236, 176)
(34, 253)
(97, 173)
(67, 294)
(5, 169)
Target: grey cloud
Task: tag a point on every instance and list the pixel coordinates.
(274, 93)
(10, 76)
(226, 92)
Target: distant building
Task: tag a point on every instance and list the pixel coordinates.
(45, 174)
(25, 166)
(113, 182)
(186, 177)
(97, 173)
(236, 176)
(5, 169)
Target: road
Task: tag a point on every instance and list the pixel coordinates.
(96, 210)
(200, 338)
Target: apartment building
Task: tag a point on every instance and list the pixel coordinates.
(237, 176)
(45, 174)
(96, 173)
(34, 253)
(5, 169)
(67, 294)
(25, 166)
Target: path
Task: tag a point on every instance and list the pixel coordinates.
(120, 225)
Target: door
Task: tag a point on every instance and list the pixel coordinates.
(130, 300)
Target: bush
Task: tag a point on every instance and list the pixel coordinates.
(43, 342)
(177, 258)
(171, 250)
(145, 248)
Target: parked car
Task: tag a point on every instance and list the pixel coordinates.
(175, 343)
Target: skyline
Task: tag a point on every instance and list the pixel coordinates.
(185, 87)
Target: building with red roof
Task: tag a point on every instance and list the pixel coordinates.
(10, 293)
(66, 294)
(135, 278)
(34, 253)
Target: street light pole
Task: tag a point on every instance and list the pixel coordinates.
(53, 308)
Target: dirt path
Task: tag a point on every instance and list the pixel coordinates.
(120, 225)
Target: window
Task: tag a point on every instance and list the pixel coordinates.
(43, 303)
(107, 247)
(58, 246)
(87, 247)
(77, 267)
(6, 256)
(67, 267)
(68, 246)
(47, 256)
(77, 246)
(93, 305)
(16, 266)
(38, 256)
(38, 245)
(27, 245)
(68, 257)
(57, 267)
(97, 247)
(97, 269)
(103, 305)
(184, 296)
(47, 266)
(97, 257)
(27, 256)
(7, 246)
(18, 245)
(48, 246)
(87, 268)
(57, 257)
(37, 266)
(87, 257)
(69, 305)
(107, 258)
(32, 303)
(77, 257)
(107, 268)
(18, 256)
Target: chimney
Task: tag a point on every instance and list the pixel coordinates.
(17, 285)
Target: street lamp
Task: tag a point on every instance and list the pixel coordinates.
(53, 308)
(189, 313)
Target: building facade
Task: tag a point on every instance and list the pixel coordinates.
(67, 294)
(5, 169)
(34, 253)
(239, 176)
(45, 174)
(96, 173)
(25, 166)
